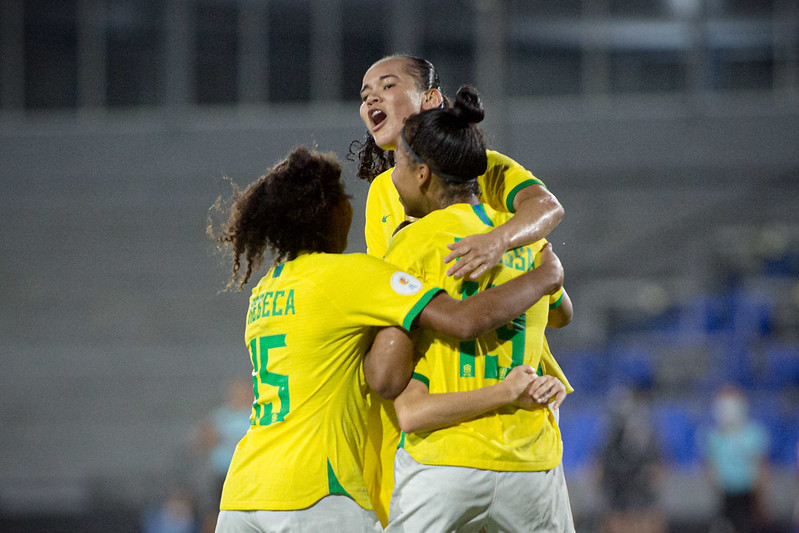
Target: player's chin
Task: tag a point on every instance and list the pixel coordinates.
(385, 139)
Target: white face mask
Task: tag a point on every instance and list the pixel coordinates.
(730, 410)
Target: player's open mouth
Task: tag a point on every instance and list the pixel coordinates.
(377, 117)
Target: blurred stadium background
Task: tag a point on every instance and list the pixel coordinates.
(669, 130)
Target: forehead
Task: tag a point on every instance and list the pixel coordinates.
(393, 66)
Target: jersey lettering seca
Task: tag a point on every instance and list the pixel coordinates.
(309, 323)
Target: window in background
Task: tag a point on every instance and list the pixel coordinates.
(134, 52)
(648, 71)
(544, 44)
(736, 69)
(50, 54)
(364, 42)
(543, 69)
(290, 51)
(643, 8)
(216, 52)
(544, 8)
(744, 8)
(448, 39)
(741, 53)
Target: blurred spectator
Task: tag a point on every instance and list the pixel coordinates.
(176, 513)
(217, 438)
(735, 450)
(630, 467)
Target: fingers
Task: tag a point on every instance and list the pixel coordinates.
(479, 271)
(459, 249)
(544, 388)
(559, 397)
(456, 269)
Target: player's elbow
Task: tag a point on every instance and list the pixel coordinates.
(406, 421)
(558, 321)
(388, 389)
(557, 211)
(385, 383)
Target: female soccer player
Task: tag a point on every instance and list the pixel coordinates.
(310, 321)
(457, 411)
(393, 89)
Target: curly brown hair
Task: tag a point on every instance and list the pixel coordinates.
(289, 210)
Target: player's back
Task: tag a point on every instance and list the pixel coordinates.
(309, 322)
(507, 438)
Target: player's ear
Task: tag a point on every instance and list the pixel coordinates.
(432, 99)
(423, 176)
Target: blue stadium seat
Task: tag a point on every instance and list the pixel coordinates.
(781, 366)
(676, 427)
(631, 366)
(585, 369)
(583, 430)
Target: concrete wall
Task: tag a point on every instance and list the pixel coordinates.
(116, 341)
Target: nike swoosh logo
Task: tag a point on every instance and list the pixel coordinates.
(385, 218)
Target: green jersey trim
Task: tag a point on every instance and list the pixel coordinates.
(556, 303)
(421, 377)
(417, 308)
(515, 191)
(333, 485)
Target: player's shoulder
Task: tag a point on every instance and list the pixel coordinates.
(382, 180)
(352, 259)
(499, 159)
(323, 264)
(436, 222)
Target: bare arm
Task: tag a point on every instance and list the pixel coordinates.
(388, 365)
(488, 310)
(418, 410)
(537, 214)
(562, 314)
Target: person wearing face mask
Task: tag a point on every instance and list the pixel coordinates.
(735, 450)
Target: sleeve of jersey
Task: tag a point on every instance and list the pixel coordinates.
(503, 180)
(380, 294)
(550, 367)
(408, 248)
(381, 216)
(555, 299)
(421, 372)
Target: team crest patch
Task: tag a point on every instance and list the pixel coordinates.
(404, 283)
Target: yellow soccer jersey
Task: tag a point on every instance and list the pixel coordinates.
(507, 439)
(503, 179)
(309, 323)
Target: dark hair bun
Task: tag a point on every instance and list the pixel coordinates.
(468, 105)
